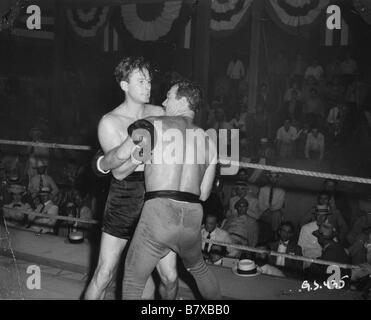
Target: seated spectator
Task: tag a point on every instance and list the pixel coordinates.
(36, 153)
(334, 115)
(265, 99)
(339, 200)
(335, 92)
(302, 140)
(286, 137)
(16, 218)
(360, 249)
(313, 108)
(83, 212)
(349, 69)
(47, 207)
(286, 244)
(294, 89)
(333, 69)
(315, 70)
(271, 202)
(315, 145)
(220, 120)
(41, 180)
(323, 199)
(211, 231)
(260, 126)
(244, 191)
(331, 251)
(307, 241)
(243, 229)
(262, 262)
(293, 107)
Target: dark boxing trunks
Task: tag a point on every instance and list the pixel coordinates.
(171, 194)
(124, 205)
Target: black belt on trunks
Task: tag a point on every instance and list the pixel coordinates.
(174, 195)
(135, 176)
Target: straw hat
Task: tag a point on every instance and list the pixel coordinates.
(246, 268)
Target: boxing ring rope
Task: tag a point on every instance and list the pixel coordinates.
(46, 145)
(223, 162)
(224, 244)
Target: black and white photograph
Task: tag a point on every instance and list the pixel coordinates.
(195, 151)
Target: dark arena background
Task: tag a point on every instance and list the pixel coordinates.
(292, 76)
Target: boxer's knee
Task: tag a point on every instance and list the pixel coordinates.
(170, 277)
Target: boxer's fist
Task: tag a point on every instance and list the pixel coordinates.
(142, 132)
(94, 164)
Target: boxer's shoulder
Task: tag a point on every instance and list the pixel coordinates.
(151, 110)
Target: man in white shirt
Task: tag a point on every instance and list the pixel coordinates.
(307, 241)
(315, 145)
(286, 137)
(236, 69)
(271, 202)
(41, 180)
(47, 207)
(211, 231)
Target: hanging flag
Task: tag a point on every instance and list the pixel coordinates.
(110, 38)
(337, 37)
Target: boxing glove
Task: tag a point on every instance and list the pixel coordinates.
(142, 132)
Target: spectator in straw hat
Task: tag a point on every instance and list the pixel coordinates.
(47, 207)
(307, 241)
(42, 179)
(324, 198)
(13, 217)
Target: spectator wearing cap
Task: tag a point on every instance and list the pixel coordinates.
(47, 207)
(286, 137)
(244, 191)
(211, 231)
(286, 244)
(16, 218)
(243, 229)
(41, 180)
(307, 241)
(271, 202)
(331, 251)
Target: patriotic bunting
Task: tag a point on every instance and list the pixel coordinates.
(295, 15)
(364, 9)
(147, 26)
(88, 23)
(228, 15)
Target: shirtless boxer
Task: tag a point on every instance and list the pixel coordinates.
(125, 198)
(172, 213)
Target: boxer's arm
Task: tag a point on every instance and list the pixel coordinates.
(209, 176)
(116, 153)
